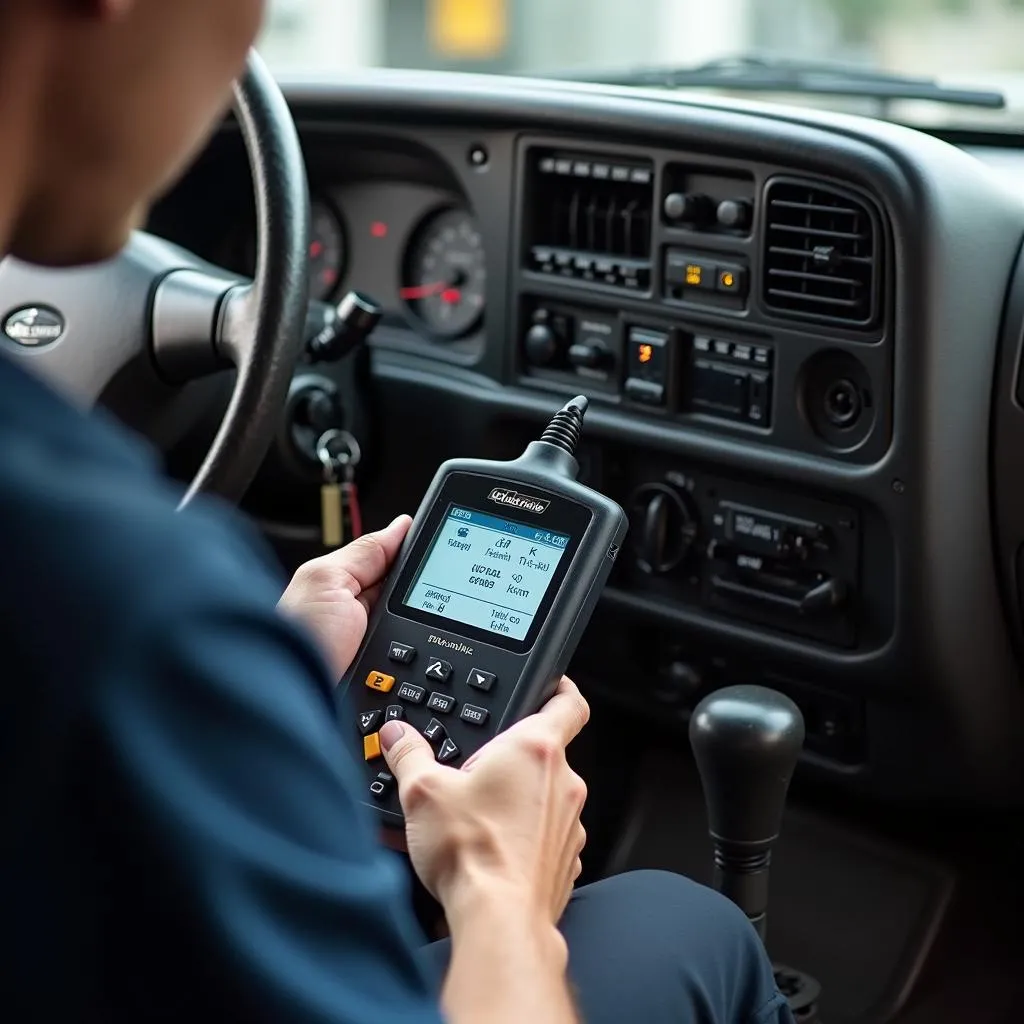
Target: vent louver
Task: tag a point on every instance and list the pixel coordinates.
(821, 255)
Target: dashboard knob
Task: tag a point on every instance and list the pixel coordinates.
(735, 214)
(663, 528)
(542, 345)
(692, 209)
(591, 357)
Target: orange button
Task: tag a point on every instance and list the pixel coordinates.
(380, 682)
(371, 746)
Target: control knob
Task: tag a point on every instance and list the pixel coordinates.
(686, 208)
(541, 345)
(590, 356)
(735, 214)
(664, 529)
(545, 341)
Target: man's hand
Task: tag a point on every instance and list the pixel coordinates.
(508, 823)
(332, 596)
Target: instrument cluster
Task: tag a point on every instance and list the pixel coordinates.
(420, 255)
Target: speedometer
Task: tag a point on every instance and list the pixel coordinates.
(444, 279)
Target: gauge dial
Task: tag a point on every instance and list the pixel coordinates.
(326, 252)
(445, 277)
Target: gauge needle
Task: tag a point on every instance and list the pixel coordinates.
(425, 291)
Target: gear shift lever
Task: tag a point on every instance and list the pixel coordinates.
(746, 740)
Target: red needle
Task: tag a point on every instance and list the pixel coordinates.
(423, 291)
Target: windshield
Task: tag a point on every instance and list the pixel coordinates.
(975, 43)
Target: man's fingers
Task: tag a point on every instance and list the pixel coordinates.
(567, 711)
(367, 559)
(408, 754)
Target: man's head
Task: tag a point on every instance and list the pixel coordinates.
(102, 105)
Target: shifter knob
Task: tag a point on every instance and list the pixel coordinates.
(746, 741)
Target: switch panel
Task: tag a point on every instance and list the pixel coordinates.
(578, 346)
(730, 380)
(706, 279)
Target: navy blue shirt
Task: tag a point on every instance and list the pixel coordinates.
(180, 827)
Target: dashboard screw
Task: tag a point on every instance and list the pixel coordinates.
(478, 156)
(899, 486)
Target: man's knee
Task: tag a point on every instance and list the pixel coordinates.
(670, 943)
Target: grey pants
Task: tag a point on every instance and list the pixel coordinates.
(656, 948)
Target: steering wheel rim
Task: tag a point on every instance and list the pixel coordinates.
(273, 310)
(156, 316)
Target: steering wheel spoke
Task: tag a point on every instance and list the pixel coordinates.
(236, 333)
(199, 318)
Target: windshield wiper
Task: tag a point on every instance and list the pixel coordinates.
(768, 74)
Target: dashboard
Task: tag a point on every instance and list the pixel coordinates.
(800, 334)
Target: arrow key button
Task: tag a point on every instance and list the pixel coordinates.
(369, 721)
(481, 680)
(448, 752)
(438, 670)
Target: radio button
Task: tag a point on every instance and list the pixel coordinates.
(369, 721)
(448, 751)
(480, 680)
(412, 693)
(474, 715)
(438, 670)
(443, 703)
(371, 746)
(401, 654)
(394, 713)
(435, 731)
(380, 682)
(686, 270)
(731, 279)
(759, 396)
(645, 391)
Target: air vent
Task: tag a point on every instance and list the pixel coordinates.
(821, 257)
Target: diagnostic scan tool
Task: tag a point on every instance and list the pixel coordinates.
(482, 612)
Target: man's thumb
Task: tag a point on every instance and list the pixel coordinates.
(405, 750)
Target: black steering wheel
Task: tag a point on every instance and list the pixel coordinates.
(156, 316)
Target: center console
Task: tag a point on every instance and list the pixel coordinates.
(732, 298)
(716, 294)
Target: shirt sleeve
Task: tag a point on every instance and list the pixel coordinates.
(225, 811)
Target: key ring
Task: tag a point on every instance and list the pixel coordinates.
(349, 455)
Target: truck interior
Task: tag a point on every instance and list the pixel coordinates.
(800, 334)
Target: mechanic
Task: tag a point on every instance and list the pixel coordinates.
(182, 835)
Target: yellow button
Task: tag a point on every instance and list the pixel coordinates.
(371, 746)
(380, 682)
